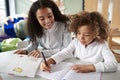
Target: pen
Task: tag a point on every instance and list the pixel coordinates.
(44, 59)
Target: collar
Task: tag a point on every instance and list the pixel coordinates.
(91, 44)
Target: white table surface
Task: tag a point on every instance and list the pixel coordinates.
(105, 76)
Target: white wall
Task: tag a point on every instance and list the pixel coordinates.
(22, 6)
(73, 6)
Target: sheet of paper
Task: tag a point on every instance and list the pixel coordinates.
(21, 65)
(72, 75)
(5, 59)
(57, 71)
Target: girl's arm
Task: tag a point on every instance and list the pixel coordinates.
(109, 64)
(83, 68)
(65, 53)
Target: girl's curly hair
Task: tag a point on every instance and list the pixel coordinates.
(97, 23)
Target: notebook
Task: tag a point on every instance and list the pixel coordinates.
(63, 71)
(20, 65)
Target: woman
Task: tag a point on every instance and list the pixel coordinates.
(46, 27)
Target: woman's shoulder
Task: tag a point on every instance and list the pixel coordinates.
(60, 25)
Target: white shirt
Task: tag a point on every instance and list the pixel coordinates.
(53, 40)
(96, 53)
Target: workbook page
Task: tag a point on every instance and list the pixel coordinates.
(22, 65)
(58, 71)
(72, 75)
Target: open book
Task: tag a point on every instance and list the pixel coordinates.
(20, 65)
(63, 71)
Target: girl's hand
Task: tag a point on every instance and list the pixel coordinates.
(21, 52)
(44, 67)
(83, 68)
(34, 53)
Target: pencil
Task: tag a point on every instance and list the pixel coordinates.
(44, 59)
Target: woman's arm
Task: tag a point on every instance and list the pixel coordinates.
(31, 47)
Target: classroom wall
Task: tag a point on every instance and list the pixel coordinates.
(22, 6)
(71, 6)
(110, 10)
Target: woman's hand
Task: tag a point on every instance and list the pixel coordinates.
(35, 53)
(44, 67)
(83, 68)
(21, 52)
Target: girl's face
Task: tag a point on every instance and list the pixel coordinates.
(45, 17)
(85, 35)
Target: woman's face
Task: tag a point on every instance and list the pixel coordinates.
(45, 17)
(85, 35)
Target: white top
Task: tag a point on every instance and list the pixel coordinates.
(96, 53)
(53, 40)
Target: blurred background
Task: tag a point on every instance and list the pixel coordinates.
(13, 16)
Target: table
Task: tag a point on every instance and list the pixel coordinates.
(105, 76)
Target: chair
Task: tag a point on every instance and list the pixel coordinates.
(114, 42)
(114, 39)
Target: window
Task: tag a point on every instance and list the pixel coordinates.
(2, 10)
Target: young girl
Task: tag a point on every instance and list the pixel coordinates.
(46, 27)
(90, 45)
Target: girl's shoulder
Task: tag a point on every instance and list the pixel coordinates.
(103, 44)
(75, 41)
